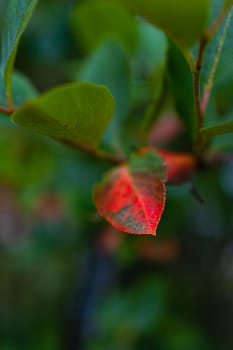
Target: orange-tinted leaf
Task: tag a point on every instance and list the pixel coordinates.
(132, 196)
(180, 166)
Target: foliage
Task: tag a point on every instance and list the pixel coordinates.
(124, 105)
(78, 114)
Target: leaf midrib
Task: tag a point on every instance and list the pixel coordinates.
(139, 196)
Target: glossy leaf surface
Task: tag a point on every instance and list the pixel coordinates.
(18, 14)
(78, 112)
(132, 196)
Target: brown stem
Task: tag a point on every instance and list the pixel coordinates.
(196, 89)
(202, 47)
(99, 154)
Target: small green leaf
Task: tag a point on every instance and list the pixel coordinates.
(183, 21)
(95, 22)
(216, 130)
(79, 112)
(18, 14)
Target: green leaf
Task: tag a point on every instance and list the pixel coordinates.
(220, 107)
(109, 66)
(78, 112)
(148, 88)
(224, 72)
(152, 47)
(183, 21)
(182, 88)
(95, 22)
(18, 14)
(132, 312)
(216, 130)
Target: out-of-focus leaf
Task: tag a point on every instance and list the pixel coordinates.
(182, 21)
(151, 62)
(79, 112)
(18, 14)
(109, 65)
(94, 22)
(129, 314)
(132, 196)
(182, 88)
(24, 160)
(180, 166)
(181, 335)
(152, 47)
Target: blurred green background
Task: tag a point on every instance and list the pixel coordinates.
(67, 279)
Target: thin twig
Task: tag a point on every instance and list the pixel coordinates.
(197, 99)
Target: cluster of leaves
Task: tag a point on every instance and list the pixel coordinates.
(81, 114)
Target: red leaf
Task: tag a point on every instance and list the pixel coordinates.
(180, 166)
(132, 196)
